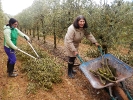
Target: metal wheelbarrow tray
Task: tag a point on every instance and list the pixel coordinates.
(122, 69)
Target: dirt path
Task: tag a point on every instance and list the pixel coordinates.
(11, 88)
(70, 89)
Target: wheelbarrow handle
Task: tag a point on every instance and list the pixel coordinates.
(81, 60)
(100, 49)
(27, 54)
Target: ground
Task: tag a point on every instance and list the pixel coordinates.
(78, 88)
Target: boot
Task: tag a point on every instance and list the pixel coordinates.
(12, 74)
(13, 70)
(73, 71)
(7, 66)
(10, 70)
(70, 71)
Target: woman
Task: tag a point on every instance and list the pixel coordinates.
(73, 37)
(10, 41)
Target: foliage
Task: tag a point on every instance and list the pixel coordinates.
(111, 24)
(1, 18)
(42, 72)
(127, 58)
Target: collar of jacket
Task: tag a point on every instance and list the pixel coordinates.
(79, 30)
(12, 28)
(8, 27)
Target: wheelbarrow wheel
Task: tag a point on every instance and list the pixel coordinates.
(118, 93)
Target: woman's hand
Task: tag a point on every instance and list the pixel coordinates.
(27, 39)
(97, 44)
(75, 53)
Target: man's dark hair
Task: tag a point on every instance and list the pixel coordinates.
(11, 21)
(75, 23)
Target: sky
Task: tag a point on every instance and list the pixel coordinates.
(14, 7)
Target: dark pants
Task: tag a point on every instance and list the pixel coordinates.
(11, 55)
(71, 60)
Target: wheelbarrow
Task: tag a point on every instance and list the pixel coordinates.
(123, 70)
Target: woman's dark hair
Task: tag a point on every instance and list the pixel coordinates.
(75, 23)
(11, 21)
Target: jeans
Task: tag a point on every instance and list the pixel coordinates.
(11, 55)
